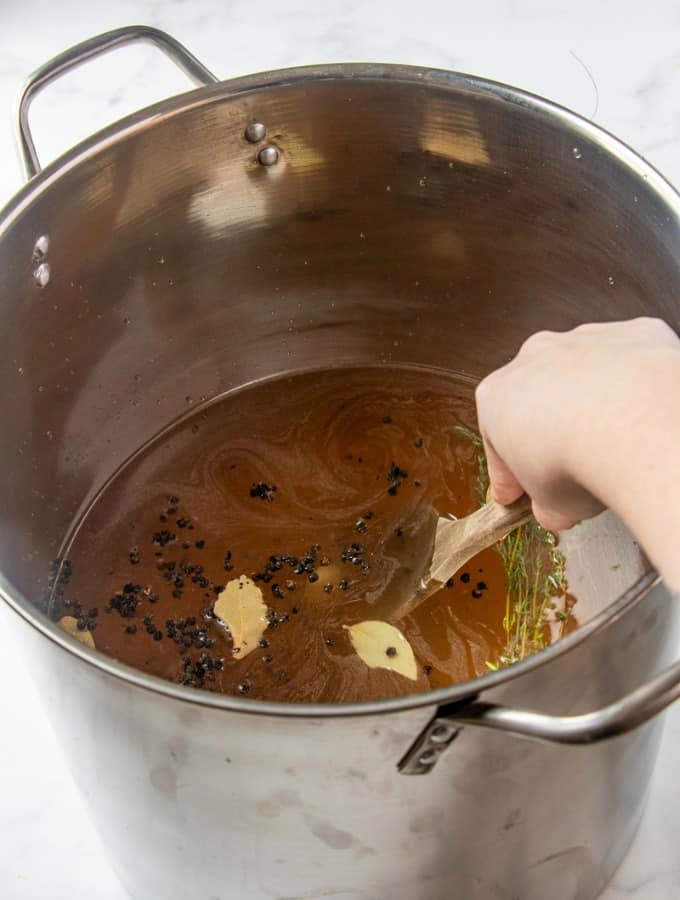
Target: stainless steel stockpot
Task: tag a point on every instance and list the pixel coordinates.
(332, 215)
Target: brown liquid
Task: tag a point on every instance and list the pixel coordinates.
(327, 441)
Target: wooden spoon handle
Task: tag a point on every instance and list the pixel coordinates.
(458, 540)
(469, 536)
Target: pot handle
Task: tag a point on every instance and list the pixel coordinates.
(619, 717)
(85, 51)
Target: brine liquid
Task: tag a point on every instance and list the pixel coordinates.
(298, 483)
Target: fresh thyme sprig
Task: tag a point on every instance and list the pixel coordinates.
(535, 577)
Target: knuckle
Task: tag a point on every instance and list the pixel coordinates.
(482, 389)
(485, 390)
(551, 520)
(538, 341)
(655, 327)
(588, 328)
(647, 321)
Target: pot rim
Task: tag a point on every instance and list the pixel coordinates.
(148, 118)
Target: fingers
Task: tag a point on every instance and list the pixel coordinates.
(565, 508)
(552, 521)
(505, 488)
(550, 417)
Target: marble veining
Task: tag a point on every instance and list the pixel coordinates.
(618, 63)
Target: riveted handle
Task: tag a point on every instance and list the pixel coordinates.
(620, 717)
(90, 49)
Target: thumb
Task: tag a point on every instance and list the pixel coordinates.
(551, 520)
(505, 488)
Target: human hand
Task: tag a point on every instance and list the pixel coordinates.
(577, 417)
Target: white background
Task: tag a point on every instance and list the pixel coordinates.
(615, 62)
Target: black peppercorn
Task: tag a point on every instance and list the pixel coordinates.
(263, 490)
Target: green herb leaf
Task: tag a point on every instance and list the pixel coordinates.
(534, 572)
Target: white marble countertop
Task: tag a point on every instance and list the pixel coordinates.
(618, 63)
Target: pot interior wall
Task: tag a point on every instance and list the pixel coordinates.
(423, 220)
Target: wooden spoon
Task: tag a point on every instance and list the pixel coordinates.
(446, 545)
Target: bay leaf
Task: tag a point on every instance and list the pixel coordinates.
(381, 645)
(69, 624)
(241, 609)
